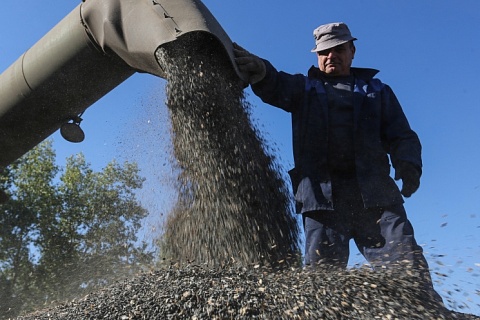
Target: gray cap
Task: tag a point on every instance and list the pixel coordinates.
(331, 35)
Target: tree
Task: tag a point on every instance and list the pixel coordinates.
(65, 231)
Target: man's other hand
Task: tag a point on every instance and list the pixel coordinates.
(410, 176)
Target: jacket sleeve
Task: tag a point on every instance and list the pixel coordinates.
(402, 142)
(280, 89)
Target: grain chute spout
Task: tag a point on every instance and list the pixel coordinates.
(133, 30)
(97, 46)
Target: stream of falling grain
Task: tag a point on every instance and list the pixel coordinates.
(233, 205)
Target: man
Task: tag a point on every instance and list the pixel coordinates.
(346, 124)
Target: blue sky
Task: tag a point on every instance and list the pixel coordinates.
(427, 51)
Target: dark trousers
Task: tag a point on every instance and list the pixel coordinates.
(384, 236)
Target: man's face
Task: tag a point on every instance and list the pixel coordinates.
(336, 61)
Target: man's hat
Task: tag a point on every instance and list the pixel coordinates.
(331, 35)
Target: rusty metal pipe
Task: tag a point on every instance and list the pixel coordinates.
(92, 50)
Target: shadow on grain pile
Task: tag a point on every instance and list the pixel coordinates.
(231, 233)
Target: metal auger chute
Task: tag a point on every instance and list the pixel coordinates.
(92, 50)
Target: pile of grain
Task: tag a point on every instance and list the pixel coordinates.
(194, 292)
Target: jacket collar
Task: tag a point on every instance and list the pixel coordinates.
(365, 74)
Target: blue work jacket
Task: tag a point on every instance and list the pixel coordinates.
(380, 130)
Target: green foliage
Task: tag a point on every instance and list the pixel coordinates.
(65, 231)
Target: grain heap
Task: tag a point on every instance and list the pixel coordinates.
(194, 292)
(233, 205)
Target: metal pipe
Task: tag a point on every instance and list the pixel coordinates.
(59, 77)
(92, 50)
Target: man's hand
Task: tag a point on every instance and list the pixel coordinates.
(410, 176)
(250, 65)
